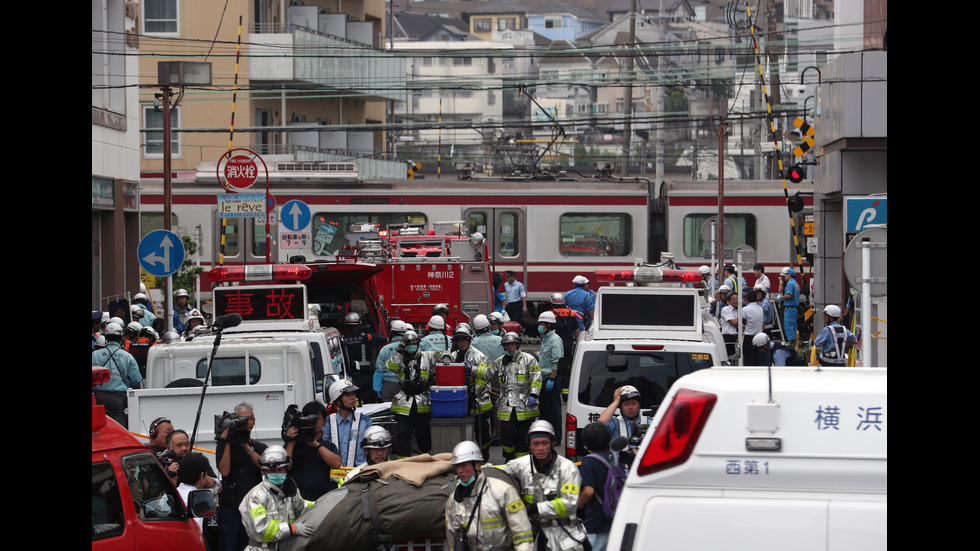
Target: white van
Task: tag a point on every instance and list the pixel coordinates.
(752, 458)
(647, 337)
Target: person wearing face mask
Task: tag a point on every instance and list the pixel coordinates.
(475, 361)
(412, 406)
(519, 376)
(494, 506)
(552, 350)
(496, 323)
(484, 340)
(270, 509)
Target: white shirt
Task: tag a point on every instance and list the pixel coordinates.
(753, 317)
(184, 490)
(728, 313)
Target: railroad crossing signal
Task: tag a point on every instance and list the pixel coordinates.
(796, 173)
(807, 131)
(412, 168)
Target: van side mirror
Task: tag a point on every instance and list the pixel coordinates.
(200, 503)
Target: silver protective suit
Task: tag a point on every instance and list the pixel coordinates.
(500, 524)
(420, 366)
(479, 392)
(556, 495)
(519, 379)
(267, 513)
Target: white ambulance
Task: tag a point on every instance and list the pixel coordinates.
(752, 458)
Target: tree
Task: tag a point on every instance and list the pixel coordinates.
(187, 274)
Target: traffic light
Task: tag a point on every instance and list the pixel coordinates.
(796, 173)
(795, 203)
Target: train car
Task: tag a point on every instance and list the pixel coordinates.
(548, 231)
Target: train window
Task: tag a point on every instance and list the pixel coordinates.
(258, 238)
(595, 234)
(478, 223)
(509, 235)
(152, 221)
(744, 226)
(330, 229)
(232, 232)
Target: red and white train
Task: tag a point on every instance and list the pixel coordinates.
(548, 231)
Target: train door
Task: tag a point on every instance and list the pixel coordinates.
(240, 240)
(506, 231)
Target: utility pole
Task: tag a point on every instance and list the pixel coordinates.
(628, 125)
(773, 41)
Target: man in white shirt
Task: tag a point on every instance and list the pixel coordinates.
(754, 320)
(192, 476)
(729, 319)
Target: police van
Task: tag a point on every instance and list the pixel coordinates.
(762, 459)
(647, 337)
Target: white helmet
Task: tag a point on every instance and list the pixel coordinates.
(481, 322)
(376, 436)
(113, 328)
(352, 318)
(339, 388)
(579, 280)
(105, 318)
(539, 428)
(547, 317)
(134, 326)
(628, 392)
(495, 317)
(437, 323)
(116, 319)
(557, 298)
(274, 457)
(467, 451)
(704, 270)
(140, 297)
(463, 330)
(100, 341)
(398, 327)
(181, 293)
(136, 311)
(724, 289)
(761, 339)
(832, 310)
(169, 337)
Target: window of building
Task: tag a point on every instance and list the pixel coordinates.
(607, 234)
(330, 228)
(482, 24)
(505, 23)
(553, 22)
(463, 61)
(744, 226)
(160, 16)
(153, 139)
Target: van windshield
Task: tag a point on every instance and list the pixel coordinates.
(651, 373)
(230, 371)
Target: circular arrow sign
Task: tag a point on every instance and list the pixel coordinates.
(160, 253)
(241, 172)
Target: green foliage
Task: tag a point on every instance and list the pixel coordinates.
(187, 274)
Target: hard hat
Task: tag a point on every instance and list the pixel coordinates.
(761, 339)
(541, 428)
(557, 298)
(832, 310)
(759, 286)
(463, 330)
(134, 326)
(547, 317)
(339, 388)
(105, 317)
(352, 318)
(136, 311)
(399, 327)
(139, 297)
(704, 269)
(170, 336)
(436, 322)
(481, 322)
(100, 341)
(579, 280)
(467, 451)
(195, 315)
(376, 437)
(113, 328)
(495, 317)
(274, 457)
(510, 337)
(724, 289)
(149, 333)
(629, 392)
(441, 307)
(181, 293)
(116, 319)
(410, 338)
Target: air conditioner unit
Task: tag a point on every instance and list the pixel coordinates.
(299, 118)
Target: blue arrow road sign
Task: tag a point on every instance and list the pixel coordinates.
(160, 253)
(295, 215)
(862, 211)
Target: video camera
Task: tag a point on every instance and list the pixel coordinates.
(624, 446)
(305, 424)
(238, 432)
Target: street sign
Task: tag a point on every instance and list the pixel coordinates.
(295, 215)
(863, 211)
(878, 241)
(160, 253)
(241, 172)
(242, 205)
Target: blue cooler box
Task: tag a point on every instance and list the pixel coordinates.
(449, 401)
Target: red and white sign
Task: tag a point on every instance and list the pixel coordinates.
(241, 172)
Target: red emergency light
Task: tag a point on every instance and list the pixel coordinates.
(649, 274)
(259, 272)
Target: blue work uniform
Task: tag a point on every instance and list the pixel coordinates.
(791, 288)
(381, 371)
(583, 302)
(122, 364)
(619, 426)
(436, 341)
(488, 344)
(344, 440)
(831, 344)
(148, 316)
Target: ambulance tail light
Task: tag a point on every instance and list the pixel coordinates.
(571, 423)
(678, 432)
(648, 274)
(259, 272)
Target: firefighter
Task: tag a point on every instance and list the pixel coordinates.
(411, 405)
(385, 381)
(520, 385)
(441, 310)
(476, 362)
(550, 485)
(437, 340)
(132, 333)
(496, 323)
(141, 346)
(270, 508)
(568, 327)
(362, 347)
(501, 519)
(552, 350)
(125, 374)
(833, 340)
(376, 444)
(194, 321)
(581, 299)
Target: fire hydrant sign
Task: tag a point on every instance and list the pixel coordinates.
(241, 172)
(242, 205)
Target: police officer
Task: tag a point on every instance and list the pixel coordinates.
(346, 427)
(475, 361)
(182, 310)
(269, 509)
(519, 376)
(552, 351)
(550, 485)
(437, 340)
(125, 374)
(833, 339)
(789, 295)
(411, 405)
(362, 347)
(500, 516)
(772, 352)
(581, 299)
(627, 399)
(385, 381)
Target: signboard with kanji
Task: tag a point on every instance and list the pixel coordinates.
(262, 302)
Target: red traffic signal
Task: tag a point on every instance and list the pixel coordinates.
(796, 173)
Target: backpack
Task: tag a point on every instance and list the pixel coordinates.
(613, 487)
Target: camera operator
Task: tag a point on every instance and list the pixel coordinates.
(238, 462)
(627, 399)
(159, 430)
(179, 447)
(312, 458)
